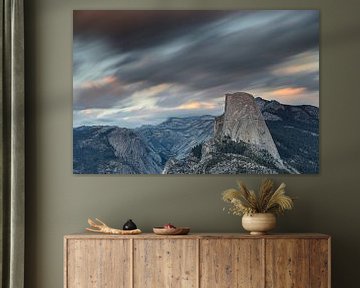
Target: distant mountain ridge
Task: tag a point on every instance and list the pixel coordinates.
(112, 150)
(169, 146)
(176, 136)
(295, 130)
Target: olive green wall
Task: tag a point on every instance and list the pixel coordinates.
(59, 202)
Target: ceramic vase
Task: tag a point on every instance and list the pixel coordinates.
(259, 223)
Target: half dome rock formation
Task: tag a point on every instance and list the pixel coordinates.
(243, 121)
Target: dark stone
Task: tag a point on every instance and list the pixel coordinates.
(129, 225)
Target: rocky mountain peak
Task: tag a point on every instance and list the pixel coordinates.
(243, 121)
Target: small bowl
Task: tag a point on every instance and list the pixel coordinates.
(171, 231)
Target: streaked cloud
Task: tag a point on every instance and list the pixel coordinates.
(288, 91)
(197, 105)
(98, 83)
(181, 63)
(302, 63)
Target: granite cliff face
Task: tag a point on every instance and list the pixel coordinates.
(176, 136)
(243, 121)
(112, 150)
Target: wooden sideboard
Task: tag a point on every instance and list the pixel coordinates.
(197, 260)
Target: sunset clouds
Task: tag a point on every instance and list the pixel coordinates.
(140, 67)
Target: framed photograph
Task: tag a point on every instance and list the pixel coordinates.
(196, 92)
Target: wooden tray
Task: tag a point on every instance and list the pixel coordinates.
(171, 231)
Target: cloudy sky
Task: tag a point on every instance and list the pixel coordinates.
(140, 67)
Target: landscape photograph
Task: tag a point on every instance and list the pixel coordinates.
(196, 92)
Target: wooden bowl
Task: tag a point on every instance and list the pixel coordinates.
(171, 231)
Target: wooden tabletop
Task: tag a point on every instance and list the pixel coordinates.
(89, 235)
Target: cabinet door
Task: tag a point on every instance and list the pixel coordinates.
(98, 263)
(320, 263)
(165, 263)
(287, 263)
(231, 263)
